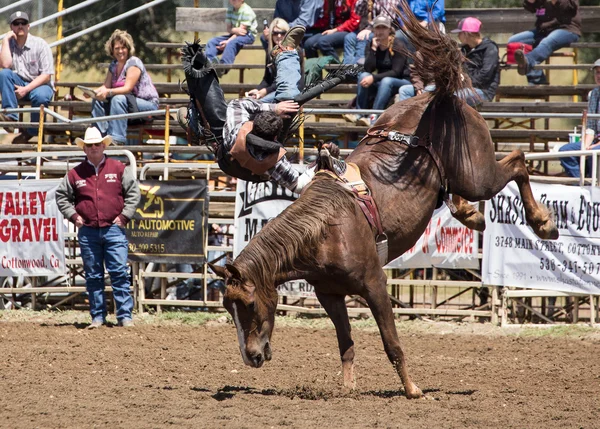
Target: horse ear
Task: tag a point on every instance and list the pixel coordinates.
(218, 270)
(233, 271)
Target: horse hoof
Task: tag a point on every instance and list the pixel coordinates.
(475, 222)
(548, 231)
(414, 393)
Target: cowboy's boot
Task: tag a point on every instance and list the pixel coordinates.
(293, 39)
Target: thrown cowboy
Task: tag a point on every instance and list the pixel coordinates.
(246, 135)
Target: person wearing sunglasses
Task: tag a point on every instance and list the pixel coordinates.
(100, 196)
(265, 91)
(26, 69)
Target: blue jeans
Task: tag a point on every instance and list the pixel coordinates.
(544, 46)
(231, 49)
(383, 91)
(41, 95)
(473, 98)
(571, 163)
(407, 91)
(106, 246)
(354, 49)
(117, 105)
(288, 76)
(326, 44)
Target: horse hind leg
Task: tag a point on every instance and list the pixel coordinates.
(538, 216)
(468, 215)
(335, 306)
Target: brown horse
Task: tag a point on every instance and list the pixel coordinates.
(325, 238)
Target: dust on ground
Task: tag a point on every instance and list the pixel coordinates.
(185, 370)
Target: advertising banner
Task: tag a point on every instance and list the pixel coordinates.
(31, 229)
(446, 243)
(514, 256)
(170, 223)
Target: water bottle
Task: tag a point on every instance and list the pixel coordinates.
(265, 24)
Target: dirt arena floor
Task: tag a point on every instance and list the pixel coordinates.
(173, 373)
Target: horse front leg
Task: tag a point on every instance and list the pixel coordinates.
(538, 216)
(381, 307)
(468, 215)
(335, 306)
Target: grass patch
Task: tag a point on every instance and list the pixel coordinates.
(561, 331)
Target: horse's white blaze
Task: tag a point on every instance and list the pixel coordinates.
(240, 334)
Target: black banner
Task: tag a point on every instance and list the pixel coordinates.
(170, 223)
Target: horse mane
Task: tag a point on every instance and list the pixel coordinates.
(290, 240)
(438, 59)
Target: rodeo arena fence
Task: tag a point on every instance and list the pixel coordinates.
(187, 217)
(191, 213)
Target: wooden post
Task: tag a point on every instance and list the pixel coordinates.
(301, 136)
(504, 311)
(494, 305)
(141, 267)
(196, 5)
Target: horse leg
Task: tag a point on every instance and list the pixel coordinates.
(538, 216)
(335, 306)
(381, 307)
(468, 215)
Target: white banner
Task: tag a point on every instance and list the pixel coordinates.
(446, 243)
(514, 256)
(31, 229)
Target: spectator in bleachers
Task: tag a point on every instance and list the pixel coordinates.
(27, 69)
(355, 43)
(558, 24)
(425, 11)
(266, 88)
(241, 30)
(384, 55)
(591, 136)
(481, 64)
(332, 28)
(295, 12)
(127, 88)
(100, 196)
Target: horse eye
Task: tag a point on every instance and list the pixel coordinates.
(251, 306)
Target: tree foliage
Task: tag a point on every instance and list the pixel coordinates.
(151, 25)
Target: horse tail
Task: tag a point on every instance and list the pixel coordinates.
(437, 58)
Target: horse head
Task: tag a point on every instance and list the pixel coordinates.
(253, 320)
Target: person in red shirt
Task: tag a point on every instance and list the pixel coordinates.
(100, 196)
(339, 18)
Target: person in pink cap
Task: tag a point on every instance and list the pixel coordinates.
(482, 65)
(481, 61)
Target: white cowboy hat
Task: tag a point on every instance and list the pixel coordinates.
(92, 136)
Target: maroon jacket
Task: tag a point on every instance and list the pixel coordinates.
(98, 199)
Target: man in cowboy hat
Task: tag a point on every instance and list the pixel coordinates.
(26, 70)
(100, 196)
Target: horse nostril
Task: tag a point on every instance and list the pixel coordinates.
(258, 360)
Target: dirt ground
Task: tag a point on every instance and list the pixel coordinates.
(56, 374)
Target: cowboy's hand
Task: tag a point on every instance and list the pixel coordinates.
(10, 35)
(118, 222)
(20, 91)
(286, 107)
(328, 32)
(367, 81)
(78, 221)
(222, 44)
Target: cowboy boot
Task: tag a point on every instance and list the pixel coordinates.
(291, 41)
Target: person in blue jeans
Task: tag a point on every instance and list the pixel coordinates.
(127, 82)
(386, 70)
(241, 30)
(558, 24)
(26, 73)
(591, 137)
(100, 196)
